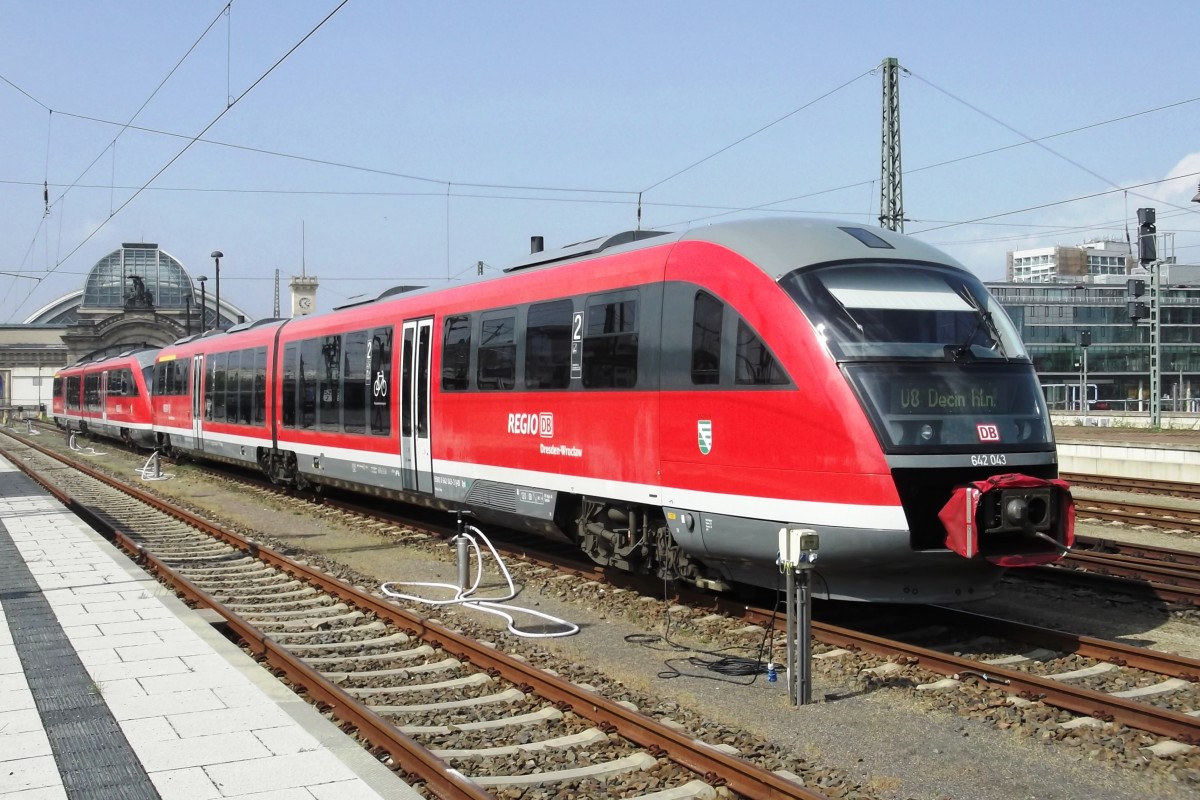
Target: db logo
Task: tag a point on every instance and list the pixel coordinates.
(988, 433)
(540, 424)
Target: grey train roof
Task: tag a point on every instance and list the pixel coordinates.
(775, 245)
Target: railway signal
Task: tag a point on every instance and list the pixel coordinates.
(1147, 251)
(1135, 288)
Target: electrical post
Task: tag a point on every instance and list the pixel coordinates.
(1085, 340)
(1148, 258)
(797, 554)
(1147, 254)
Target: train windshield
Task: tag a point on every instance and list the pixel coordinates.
(934, 358)
(867, 311)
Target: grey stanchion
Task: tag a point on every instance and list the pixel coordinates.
(152, 469)
(797, 554)
(462, 543)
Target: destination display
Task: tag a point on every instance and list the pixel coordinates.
(934, 395)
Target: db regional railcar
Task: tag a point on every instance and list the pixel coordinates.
(107, 397)
(211, 396)
(669, 402)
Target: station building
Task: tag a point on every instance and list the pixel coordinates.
(138, 295)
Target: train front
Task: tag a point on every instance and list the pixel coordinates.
(954, 400)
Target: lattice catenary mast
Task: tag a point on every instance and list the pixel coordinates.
(891, 197)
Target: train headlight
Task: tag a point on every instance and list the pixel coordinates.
(926, 432)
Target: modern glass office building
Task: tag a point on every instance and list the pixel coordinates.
(1052, 317)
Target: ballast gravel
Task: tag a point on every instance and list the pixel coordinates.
(864, 736)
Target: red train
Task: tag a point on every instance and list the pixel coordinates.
(668, 402)
(108, 397)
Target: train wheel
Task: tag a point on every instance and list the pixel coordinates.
(637, 539)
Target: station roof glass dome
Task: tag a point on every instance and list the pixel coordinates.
(109, 282)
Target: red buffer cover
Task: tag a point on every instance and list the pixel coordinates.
(959, 517)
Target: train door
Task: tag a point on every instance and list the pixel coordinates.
(416, 358)
(198, 401)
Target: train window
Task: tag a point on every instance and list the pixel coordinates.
(548, 345)
(423, 345)
(356, 381)
(310, 358)
(291, 355)
(73, 391)
(91, 392)
(210, 378)
(610, 342)
(456, 354)
(160, 378)
(233, 379)
(754, 363)
(707, 312)
(355, 370)
(380, 355)
(406, 362)
(214, 401)
(497, 351)
(182, 375)
(331, 384)
(58, 386)
(246, 388)
(260, 385)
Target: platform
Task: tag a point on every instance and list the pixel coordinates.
(110, 687)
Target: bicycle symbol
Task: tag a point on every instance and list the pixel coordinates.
(379, 386)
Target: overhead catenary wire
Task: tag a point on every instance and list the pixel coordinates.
(947, 162)
(621, 196)
(206, 128)
(1039, 142)
(754, 133)
(630, 193)
(129, 123)
(1091, 196)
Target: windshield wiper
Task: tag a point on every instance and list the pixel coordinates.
(983, 319)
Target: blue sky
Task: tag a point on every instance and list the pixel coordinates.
(452, 132)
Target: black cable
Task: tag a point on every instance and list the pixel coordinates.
(725, 666)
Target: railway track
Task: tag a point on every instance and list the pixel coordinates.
(1109, 483)
(1129, 513)
(454, 714)
(1080, 676)
(1099, 681)
(1165, 574)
